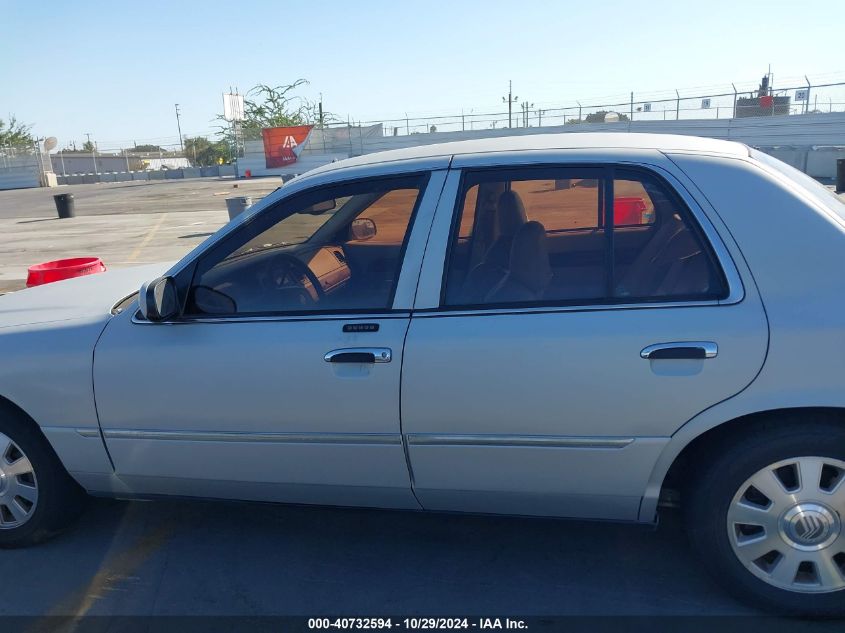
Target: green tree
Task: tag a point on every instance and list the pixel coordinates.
(148, 148)
(203, 152)
(273, 106)
(88, 146)
(14, 132)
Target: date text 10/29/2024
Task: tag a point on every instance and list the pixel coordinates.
(421, 623)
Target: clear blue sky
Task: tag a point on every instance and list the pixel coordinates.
(115, 69)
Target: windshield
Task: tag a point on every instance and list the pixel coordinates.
(821, 194)
(295, 229)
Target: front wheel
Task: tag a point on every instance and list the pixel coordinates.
(37, 497)
(767, 516)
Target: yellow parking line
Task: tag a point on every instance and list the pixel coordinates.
(149, 236)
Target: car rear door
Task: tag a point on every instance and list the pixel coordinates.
(559, 404)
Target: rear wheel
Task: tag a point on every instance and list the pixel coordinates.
(37, 497)
(767, 517)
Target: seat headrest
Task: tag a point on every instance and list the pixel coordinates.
(511, 213)
(529, 263)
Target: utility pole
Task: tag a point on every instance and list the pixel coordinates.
(511, 100)
(525, 109)
(179, 127)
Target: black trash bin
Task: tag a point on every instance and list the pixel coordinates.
(64, 205)
(840, 175)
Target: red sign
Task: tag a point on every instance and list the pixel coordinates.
(766, 101)
(283, 144)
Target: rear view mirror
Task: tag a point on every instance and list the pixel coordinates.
(158, 300)
(362, 229)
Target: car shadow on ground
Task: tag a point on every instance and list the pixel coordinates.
(196, 557)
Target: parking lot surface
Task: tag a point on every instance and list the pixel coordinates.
(153, 196)
(219, 558)
(123, 224)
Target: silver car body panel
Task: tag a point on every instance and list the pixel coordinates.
(47, 337)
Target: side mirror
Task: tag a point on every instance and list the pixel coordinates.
(362, 229)
(158, 300)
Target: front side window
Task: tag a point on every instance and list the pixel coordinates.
(336, 249)
(542, 236)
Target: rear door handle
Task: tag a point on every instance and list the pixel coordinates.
(359, 355)
(695, 350)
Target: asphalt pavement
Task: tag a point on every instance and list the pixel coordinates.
(247, 559)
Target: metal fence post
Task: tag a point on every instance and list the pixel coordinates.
(677, 105)
(807, 100)
(735, 96)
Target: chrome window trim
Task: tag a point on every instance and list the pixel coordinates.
(357, 316)
(547, 441)
(736, 287)
(238, 436)
(552, 308)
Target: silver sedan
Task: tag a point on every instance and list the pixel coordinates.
(576, 325)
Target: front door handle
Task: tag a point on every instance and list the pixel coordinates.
(359, 355)
(695, 350)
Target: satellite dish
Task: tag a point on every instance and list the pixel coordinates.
(50, 143)
(611, 117)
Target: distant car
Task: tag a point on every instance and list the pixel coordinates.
(446, 328)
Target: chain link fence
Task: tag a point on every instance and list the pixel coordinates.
(735, 101)
(24, 165)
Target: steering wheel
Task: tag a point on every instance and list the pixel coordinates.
(285, 272)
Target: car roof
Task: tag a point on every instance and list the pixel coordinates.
(539, 142)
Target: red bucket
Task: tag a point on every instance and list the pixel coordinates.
(60, 269)
(629, 211)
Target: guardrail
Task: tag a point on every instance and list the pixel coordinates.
(215, 171)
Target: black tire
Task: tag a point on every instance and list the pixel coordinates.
(60, 498)
(725, 468)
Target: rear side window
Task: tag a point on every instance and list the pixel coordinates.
(543, 236)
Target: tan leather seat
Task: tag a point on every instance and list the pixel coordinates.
(671, 264)
(530, 272)
(510, 216)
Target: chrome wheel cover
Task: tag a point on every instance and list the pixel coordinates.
(18, 485)
(785, 524)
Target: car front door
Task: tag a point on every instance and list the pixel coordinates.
(549, 381)
(280, 380)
